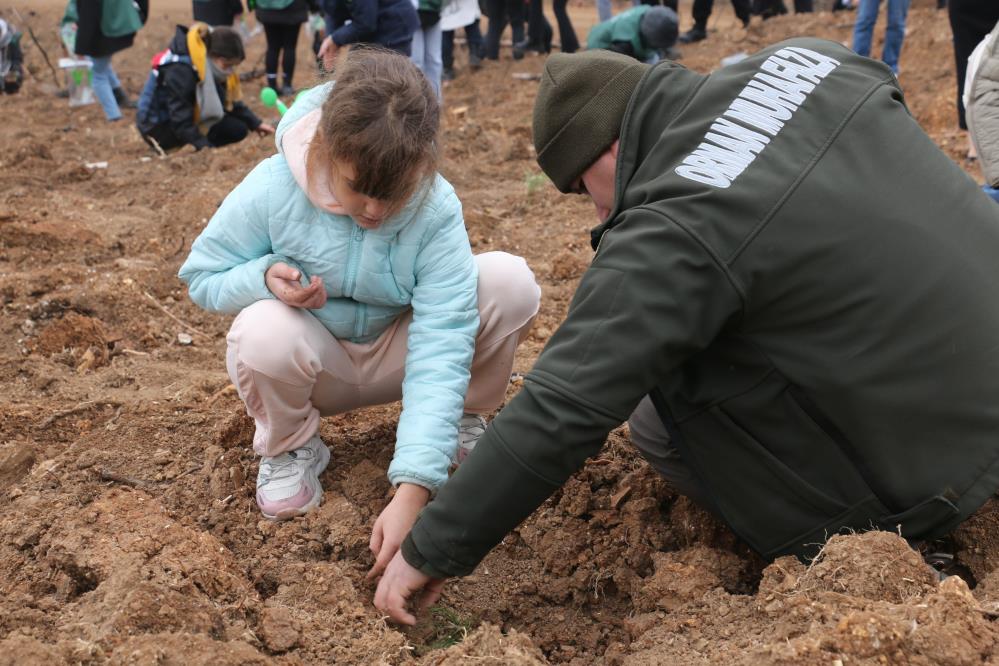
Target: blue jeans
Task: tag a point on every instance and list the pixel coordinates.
(427, 54)
(863, 29)
(105, 81)
(604, 11)
(992, 192)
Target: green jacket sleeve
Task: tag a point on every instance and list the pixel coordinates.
(653, 296)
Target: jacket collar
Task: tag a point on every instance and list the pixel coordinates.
(660, 95)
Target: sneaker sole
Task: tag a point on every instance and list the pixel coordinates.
(317, 497)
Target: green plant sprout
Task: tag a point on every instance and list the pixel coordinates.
(534, 181)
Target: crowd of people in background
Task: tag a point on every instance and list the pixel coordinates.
(192, 95)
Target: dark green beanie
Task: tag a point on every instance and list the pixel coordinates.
(579, 109)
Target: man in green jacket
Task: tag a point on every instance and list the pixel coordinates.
(792, 297)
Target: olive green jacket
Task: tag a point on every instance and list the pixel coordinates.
(809, 290)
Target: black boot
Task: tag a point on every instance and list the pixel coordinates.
(695, 34)
(122, 98)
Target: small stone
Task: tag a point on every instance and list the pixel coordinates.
(184, 339)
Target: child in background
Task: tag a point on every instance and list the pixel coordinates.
(193, 95)
(11, 59)
(347, 259)
(282, 21)
(646, 33)
(105, 27)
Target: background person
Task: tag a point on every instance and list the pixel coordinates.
(387, 23)
(981, 103)
(970, 22)
(427, 42)
(863, 30)
(644, 33)
(282, 21)
(217, 12)
(701, 12)
(11, 59)
(193, 95)
(105, 27)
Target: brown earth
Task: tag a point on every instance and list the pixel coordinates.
(128, 531)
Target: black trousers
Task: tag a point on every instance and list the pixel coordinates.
(539, 31)
(769, 8)
(228, 130)
(281, 37)
(473, 37)
(672, 4)
(970, 21)
(501, 12)
(702, 10)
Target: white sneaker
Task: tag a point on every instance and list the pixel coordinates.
(288, 484)
(470, 428)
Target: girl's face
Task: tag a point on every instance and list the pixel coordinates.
(367, 212)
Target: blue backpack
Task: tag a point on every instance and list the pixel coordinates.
(153, 109)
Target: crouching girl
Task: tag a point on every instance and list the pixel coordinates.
(347, 259)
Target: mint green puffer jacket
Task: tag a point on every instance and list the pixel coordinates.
(420, 259)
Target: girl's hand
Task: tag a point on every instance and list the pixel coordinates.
(263, 129)
(394, 524)
(283, 281)
(401, 583)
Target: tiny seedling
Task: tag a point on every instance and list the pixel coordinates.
(534, 181)
(447, 628)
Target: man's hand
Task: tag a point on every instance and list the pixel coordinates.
(263, 129)
(394, 524)
(399, 583)
(283, 281)
(327, 51)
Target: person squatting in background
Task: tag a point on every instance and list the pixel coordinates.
(11, 59)
(387, 23)
(970, 22)
(646, 33)
(192, 95)
(105, 27)
(347, 259)
(282, 21)
(217, 12)
(863, 30)
(981, 104)
(427, 42)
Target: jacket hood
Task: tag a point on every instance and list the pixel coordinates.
(294, 134)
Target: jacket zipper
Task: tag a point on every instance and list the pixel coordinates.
(350, 275)
(353, 257)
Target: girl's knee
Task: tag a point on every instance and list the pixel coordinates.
(270, 337)
(508, 282)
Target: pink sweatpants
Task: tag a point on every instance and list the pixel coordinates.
(290, 370)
